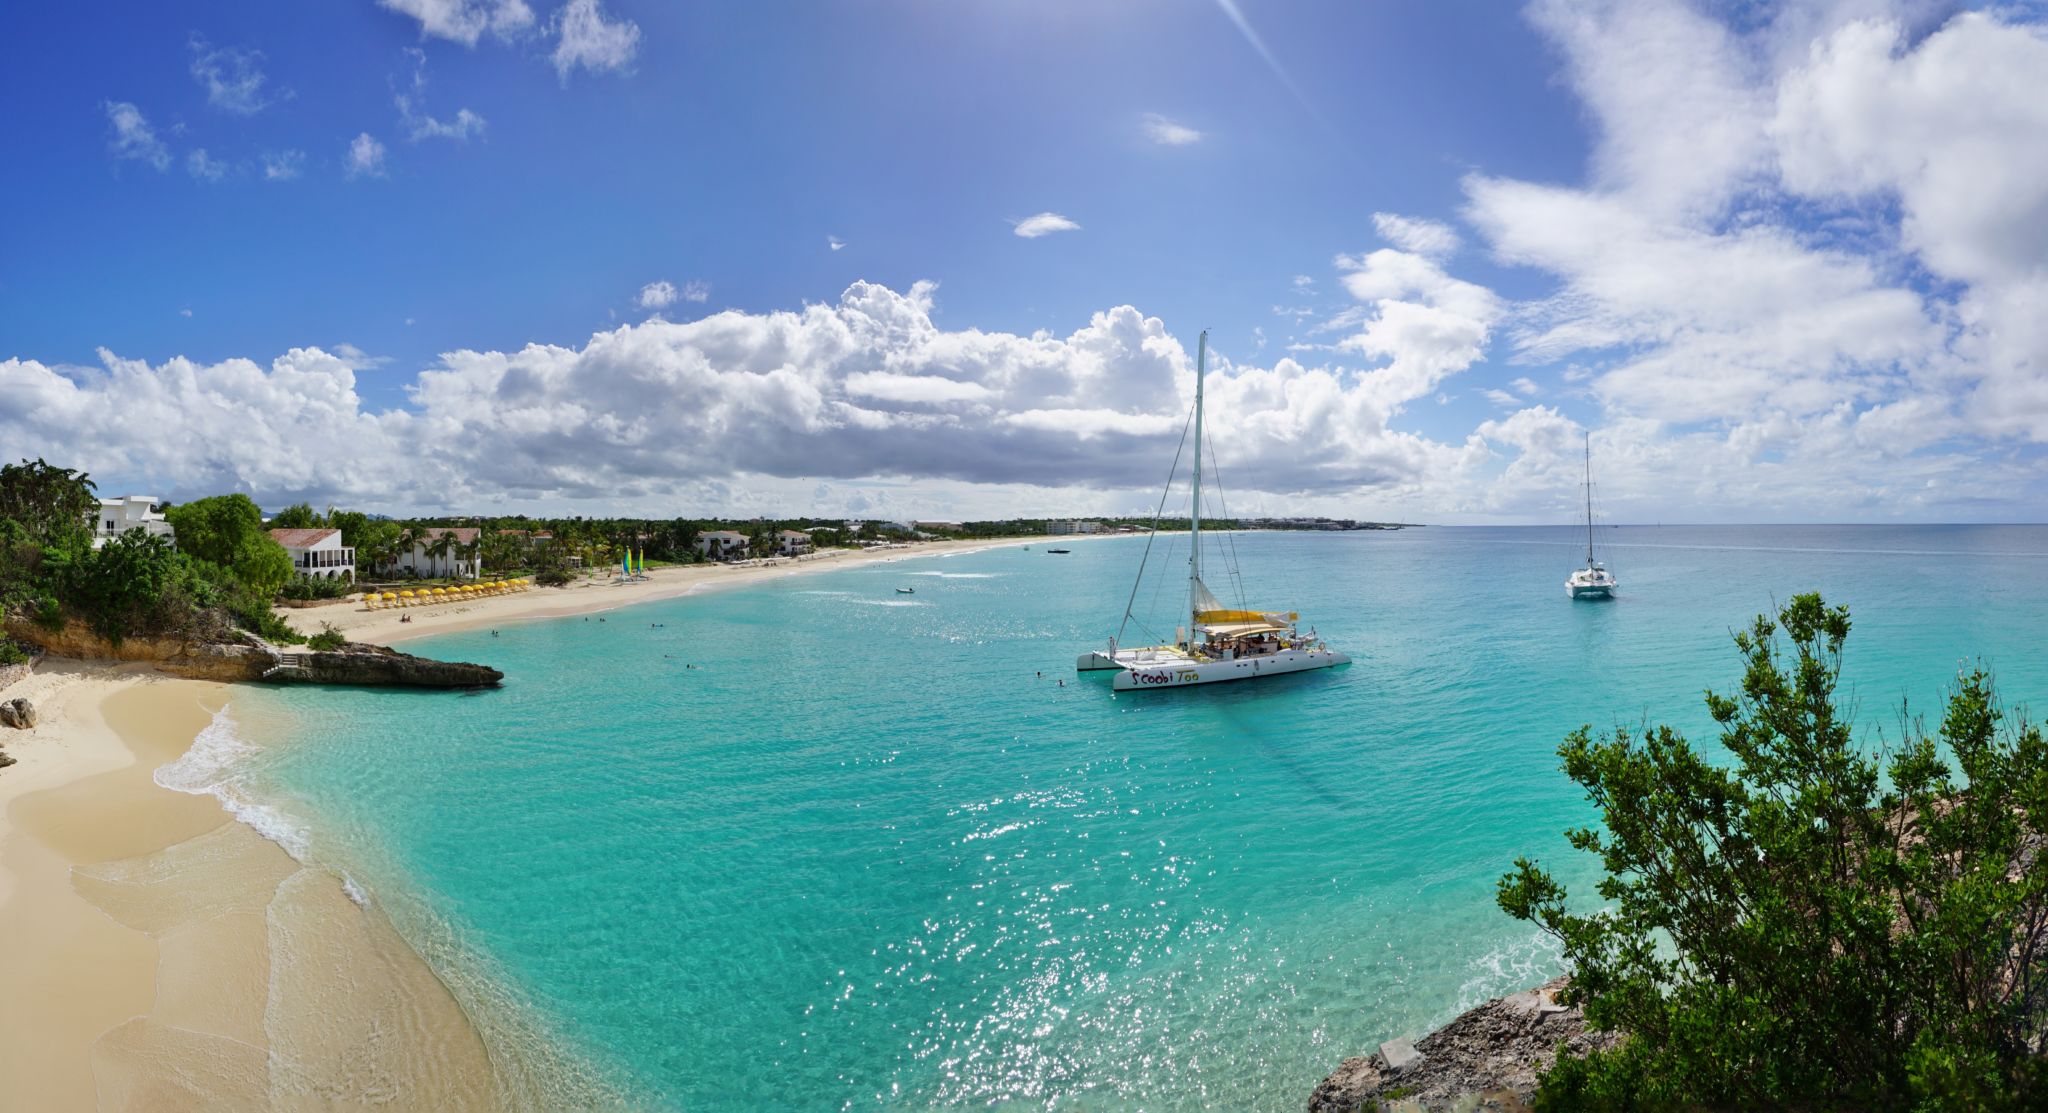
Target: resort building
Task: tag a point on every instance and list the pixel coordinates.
(721, 544)
(792, 542)
(118, 516)
(1060, 529)
(458, 558)
(318, 553)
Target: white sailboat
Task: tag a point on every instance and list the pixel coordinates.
(1218, 643)
(1593, 581)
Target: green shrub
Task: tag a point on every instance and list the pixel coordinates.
(1809, 927)
(304, 588)
(12, 653)
(328, 638)
(553, 577)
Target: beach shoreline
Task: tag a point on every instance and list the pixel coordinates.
(163, 955)
(144, 921)
(598, 595)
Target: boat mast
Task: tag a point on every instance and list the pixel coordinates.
(1195, 515)
(1589, 498)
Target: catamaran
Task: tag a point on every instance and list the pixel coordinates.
(1593, 581)
(1218, 643)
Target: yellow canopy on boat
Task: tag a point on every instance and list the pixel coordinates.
(1205, 618)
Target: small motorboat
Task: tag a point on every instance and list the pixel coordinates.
(1058, 550)
(906, 591)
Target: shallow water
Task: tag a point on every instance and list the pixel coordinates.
(862, 855)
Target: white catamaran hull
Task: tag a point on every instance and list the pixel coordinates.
(1582, 586)
(1181, 671)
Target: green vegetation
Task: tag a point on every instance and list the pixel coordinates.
(136, 584)
(227, 531)
(1814, 927)
(12, 653)
(302, 588)
(327, 638)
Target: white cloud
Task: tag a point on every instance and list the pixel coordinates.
(1044, 224)
(697, 290)
(412, 110)
(204, 167)
(1303, 281)
(184, 312)
(657, 295)
(866, 387)
(233, 78)
(133, 137)
(283, 166)
(1954, 130)
(365, 157)
(1431, 238)
(1525, 386)
(586, 38)
(835, 243)
(465, 21)
(746, 413)
(1166, 133)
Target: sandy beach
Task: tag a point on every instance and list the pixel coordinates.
(600, 593)
(161, 955)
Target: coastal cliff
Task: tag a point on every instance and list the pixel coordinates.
(250, 658)
(1486, 1059)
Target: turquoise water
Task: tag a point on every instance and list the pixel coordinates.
(862, 856)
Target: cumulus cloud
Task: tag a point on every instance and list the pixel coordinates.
(1044, 224)
(233, 78)
(657, 295)
(1166, 133)
(365, 157)
(465, 21)
(283, 166)
(133, 138)
(867, 387)
(1805, 266)
(1432, 238)
(204, 167)
(412, 111)
(662, 294)
(835, 243)
(584, 37)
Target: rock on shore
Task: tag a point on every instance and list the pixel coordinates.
(248, 657)
(1486, 1059)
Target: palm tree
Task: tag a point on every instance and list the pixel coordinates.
(466, 551)
(409, 540)
(437, 550)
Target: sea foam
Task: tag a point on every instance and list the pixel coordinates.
(217, 765)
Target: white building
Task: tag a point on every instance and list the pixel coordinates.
(1064, 528)
(318, 553)
(118, 516)
(792, 542)
(721, 544)
(458, 559)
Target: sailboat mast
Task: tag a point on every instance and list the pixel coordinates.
(1589, 499)
(1195, 515)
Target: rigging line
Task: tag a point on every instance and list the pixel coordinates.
(1163, 493)
(1230, 536)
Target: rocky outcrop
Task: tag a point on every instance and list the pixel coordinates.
(18, 713)
(379, 666)
(11, 674)
(245, 656)
(1486, 1059)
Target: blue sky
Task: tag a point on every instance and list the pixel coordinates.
(1482, 229)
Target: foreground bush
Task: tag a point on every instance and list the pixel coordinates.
(1800, 930)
